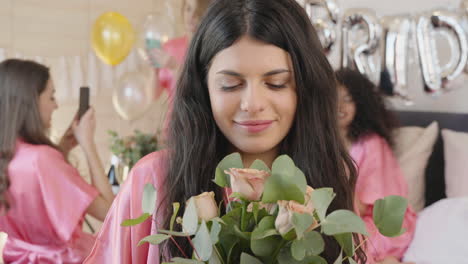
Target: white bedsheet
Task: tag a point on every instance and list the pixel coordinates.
(441, 235)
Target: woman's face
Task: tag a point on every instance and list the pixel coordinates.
(253, 95)
(346, 108)
(191, 16)
(47, 104)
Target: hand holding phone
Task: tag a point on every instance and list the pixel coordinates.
(84, 101)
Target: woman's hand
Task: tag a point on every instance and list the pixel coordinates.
(68, 140)
(84, 130)
(393, 260)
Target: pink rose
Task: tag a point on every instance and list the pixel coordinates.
(248, 182)
(207, 208)
(283, 222)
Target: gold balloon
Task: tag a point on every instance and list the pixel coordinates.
(112, 37)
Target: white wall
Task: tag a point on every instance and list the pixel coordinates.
(454, 101)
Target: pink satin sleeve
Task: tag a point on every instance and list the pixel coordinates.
(62, 188)
(379, 175)
(116, 244)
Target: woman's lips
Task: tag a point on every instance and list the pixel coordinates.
(255, 126)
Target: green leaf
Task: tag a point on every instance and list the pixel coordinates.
(176, 207)
(221, 178)
(202, 243)
(346, 242)
(285, 183)
(301, 223)
(298, 250)
(247, 259)
(311, 245)
(285, 257)
(136, 221)
(233, 160)
(149, 198)
(389, 214)
(352, 261)
(343, 221)
(263, 234)
(154, 239)
(214, 232)
(173, 233)
(339, 260)
(190, 218)
(266, 246)
(321, 199)
(185, 261)
(260, 165)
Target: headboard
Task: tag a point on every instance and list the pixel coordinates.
(435, 179)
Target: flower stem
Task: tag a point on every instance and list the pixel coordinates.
(360, 245)
(277, 250)
(218, 254)
(178, 246)
(194, 249)
(243, 214)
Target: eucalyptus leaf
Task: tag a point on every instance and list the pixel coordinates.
(346, 242)
(311, 245)
(154, 239)
(321, 199)
(339, 260)
(214, 232)
(343, 221)
(285, 257)
(301, 223)
(202, 243)
(136, 221)
(260, 165)
(175, 207)
(233, 160)
(186, 261)
(247, 259)
(149, 199)
(266, 246)
(389, 214)
(173, 233)
(285, 183)
(190, 218)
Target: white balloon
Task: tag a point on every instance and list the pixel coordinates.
(134, 94)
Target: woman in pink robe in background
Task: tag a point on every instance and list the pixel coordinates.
(43, 199)
(172, 56)
(366, 127)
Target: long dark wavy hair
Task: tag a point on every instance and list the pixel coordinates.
(372, 114)
(195, 142)
(21, 83)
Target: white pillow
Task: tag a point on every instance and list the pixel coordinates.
(441, 232)
(456, 163)
(413, 147)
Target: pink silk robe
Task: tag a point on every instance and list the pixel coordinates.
(118, 245)
(48, 201)
(379, 175)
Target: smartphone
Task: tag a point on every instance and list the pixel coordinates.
(84, 101)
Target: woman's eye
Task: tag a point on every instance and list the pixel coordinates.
(230, 87)
(276, 86)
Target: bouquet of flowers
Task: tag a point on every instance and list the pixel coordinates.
(132, 148)
(272, 217)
